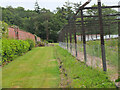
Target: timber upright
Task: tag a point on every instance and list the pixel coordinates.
(67, 36)
(119, 45)
(102, 36)
(83, 30)
(75, 39)
(70, 34)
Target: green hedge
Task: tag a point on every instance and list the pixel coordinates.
(13, 48)
(32, 43)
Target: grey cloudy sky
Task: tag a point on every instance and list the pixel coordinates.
(49, 4)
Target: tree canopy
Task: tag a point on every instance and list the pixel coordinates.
(43, 22)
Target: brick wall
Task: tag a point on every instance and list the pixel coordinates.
(20, 34)
(11, 33)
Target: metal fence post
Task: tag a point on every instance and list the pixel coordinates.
(102, 36)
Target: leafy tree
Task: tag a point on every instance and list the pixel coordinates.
(76, 6)
(37, 8)
(3, 29)
(41, 21)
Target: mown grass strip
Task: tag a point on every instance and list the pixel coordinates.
(36, 69)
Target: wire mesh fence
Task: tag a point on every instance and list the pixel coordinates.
(92, 34)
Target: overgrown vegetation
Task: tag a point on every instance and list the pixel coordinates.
(3, 29)
(111, 47)
(46, 23)
(31, 42)
(12, 48)
(80, 75)
(41, 43)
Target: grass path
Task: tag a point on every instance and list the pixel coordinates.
(36, 69)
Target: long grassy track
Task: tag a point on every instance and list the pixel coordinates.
(81, 76)
(36, 69)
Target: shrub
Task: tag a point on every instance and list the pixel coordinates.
(40, 44)
(32, 43)
(50, 41)
(46, 42)
(3, 29)
(13, 48)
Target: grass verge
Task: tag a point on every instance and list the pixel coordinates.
(80, 75)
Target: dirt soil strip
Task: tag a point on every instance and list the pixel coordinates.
(65, 81)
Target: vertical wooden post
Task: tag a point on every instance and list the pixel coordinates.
(75, 39)
(81, 37)
(96, 33)
(67, 36)
(70, 33)
(59, 39)
(119, 49)
(102, 36)
(84, 38)
(88, 37)
(63, 36)
(109, 30)
(119, 44)
(91, 34)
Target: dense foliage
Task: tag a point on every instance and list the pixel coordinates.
(3, 29)
(13, 48)
(80, 75)
(47, 24)
(32, 43)
(42, 43)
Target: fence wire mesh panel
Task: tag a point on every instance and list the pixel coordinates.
(92, 34)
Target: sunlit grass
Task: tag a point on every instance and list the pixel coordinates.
(36, 69)
(0, 51)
